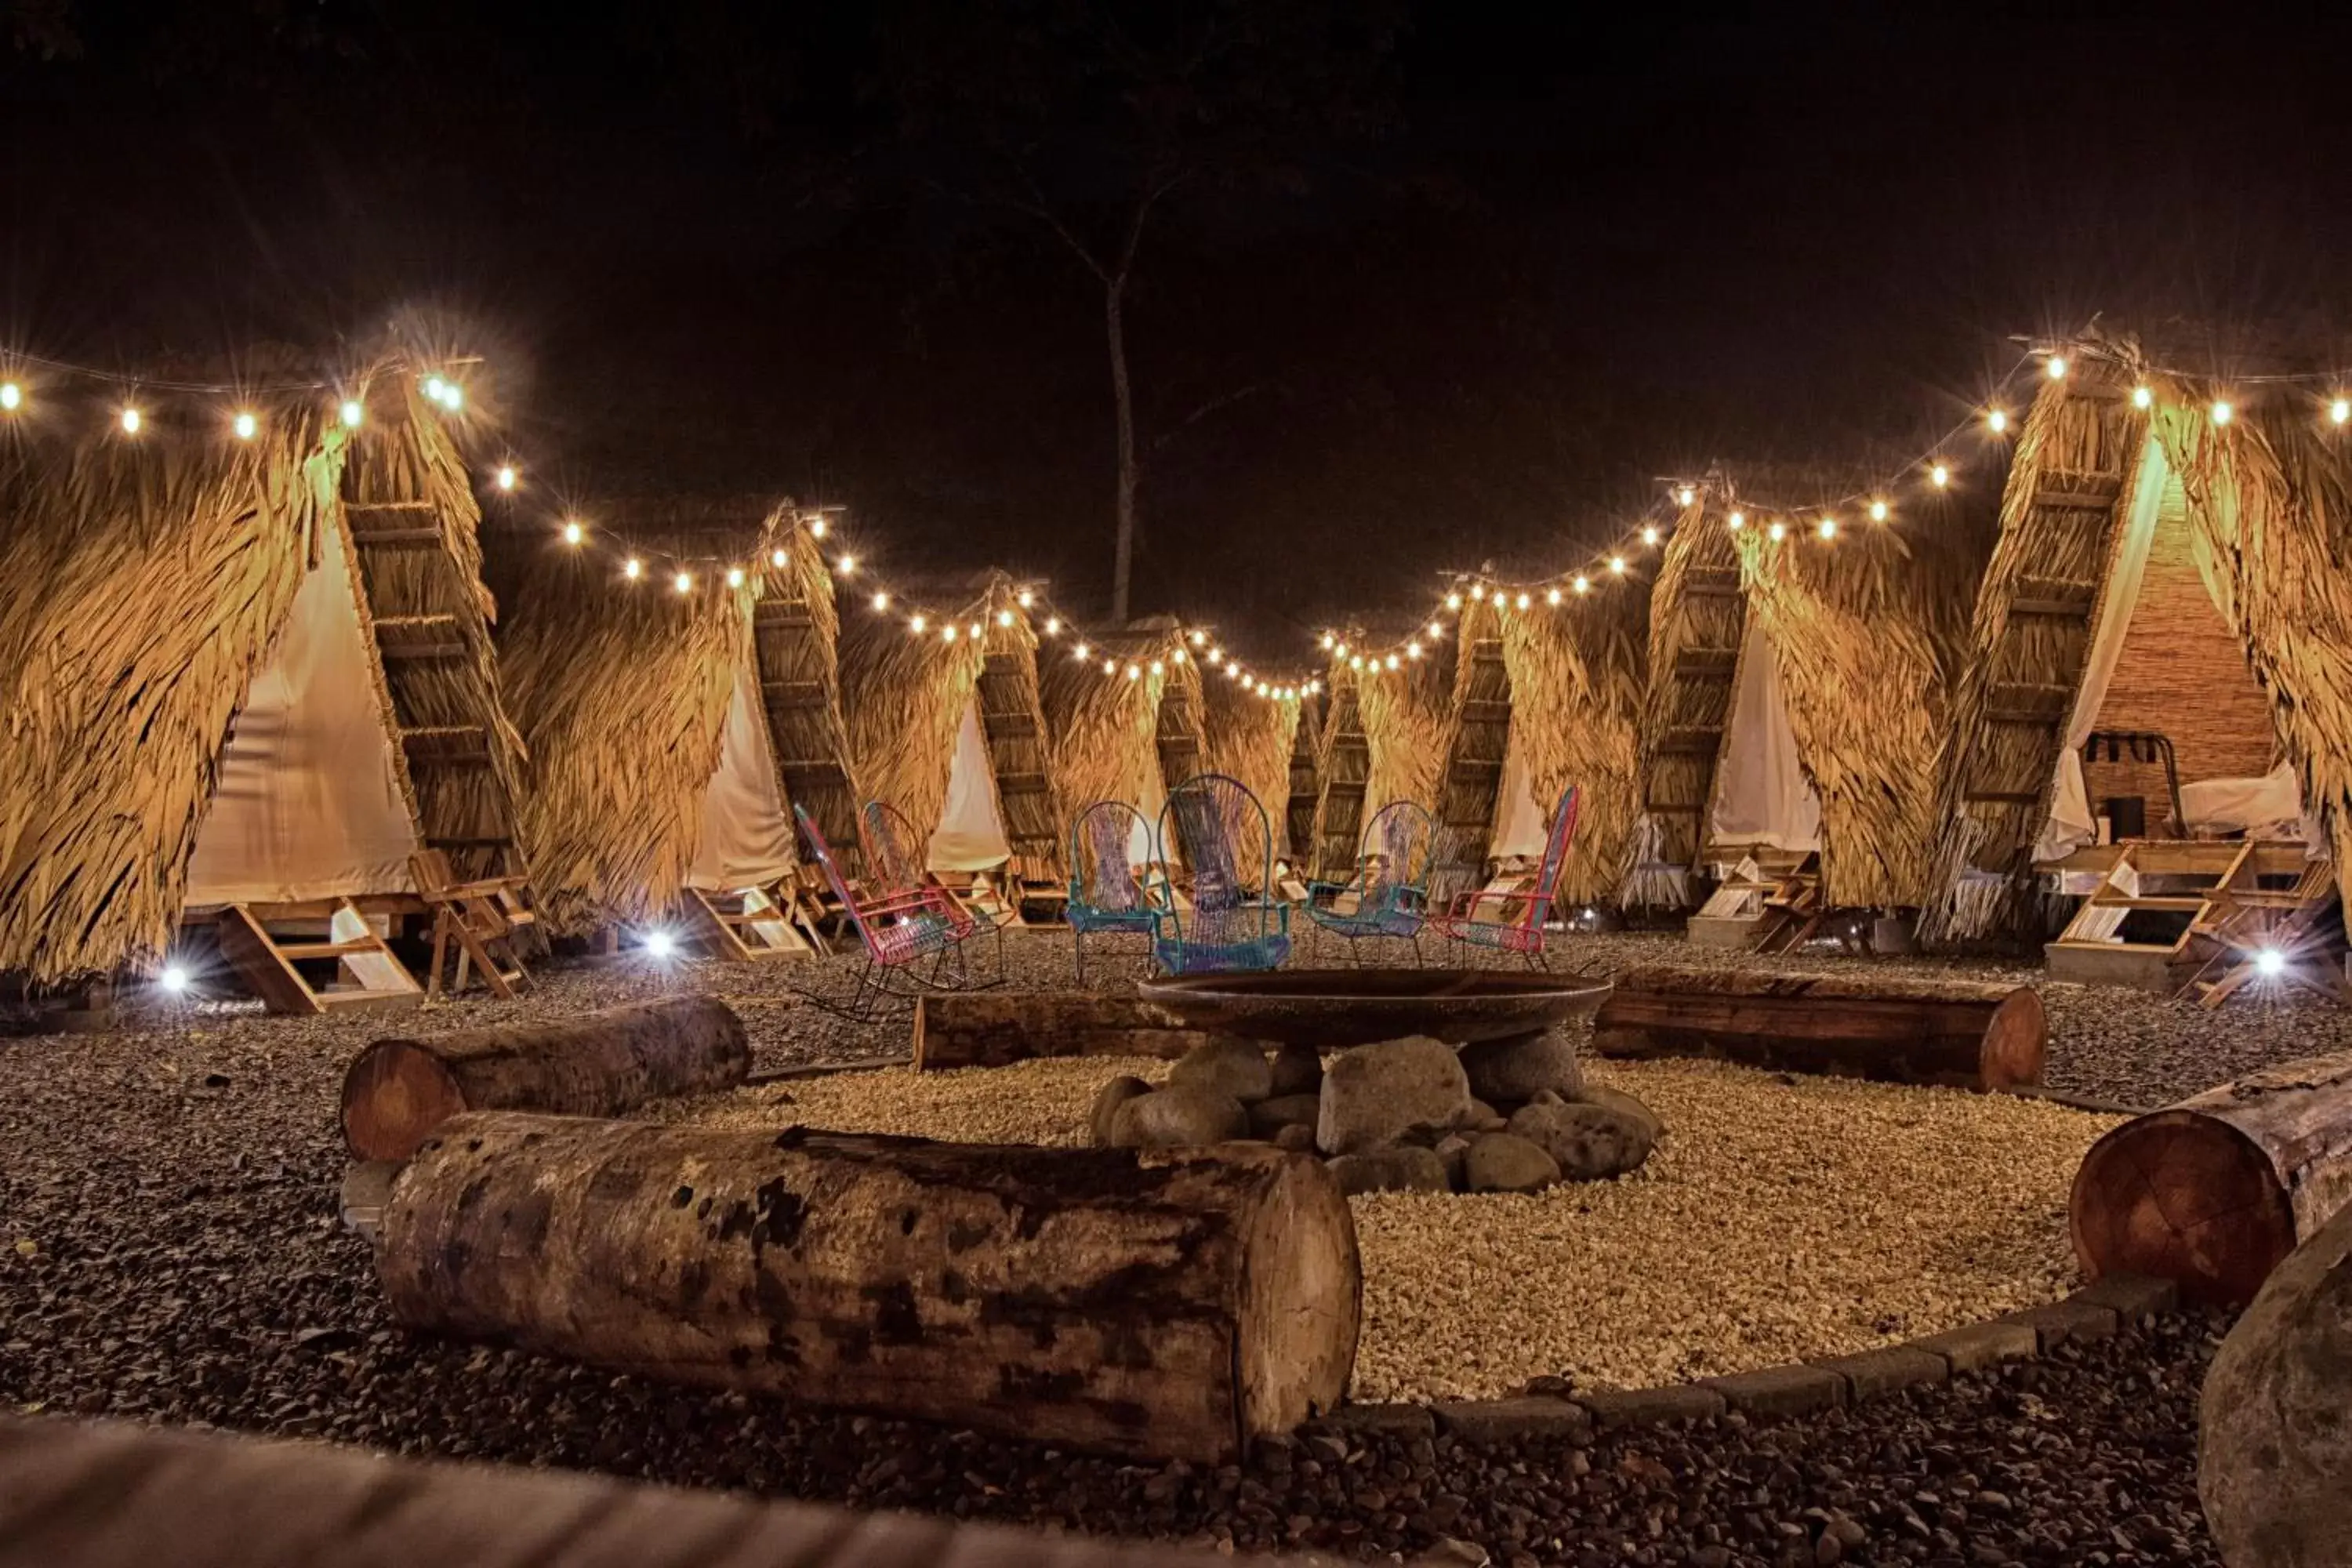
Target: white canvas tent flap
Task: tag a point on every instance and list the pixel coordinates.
(1519, 826)
(970, 836)
(307, 802)
(1761, 794)
(2072, 824)
(746, 840)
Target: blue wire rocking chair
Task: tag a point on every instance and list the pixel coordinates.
(1390, 884)
(1105, 898)
(1235, 924)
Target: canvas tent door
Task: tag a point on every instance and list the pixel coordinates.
(744, 847)
(970, 832)
(308, 814)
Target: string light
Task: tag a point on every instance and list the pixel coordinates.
(1157, 668)
(1393, 661)
(1413, 649)
(1775, 532)
(1553, 596)
(1024, 598)
(1685, 495)
(1582, 584)
(130, 421)
(246, 426)
(12, 396)
(573, 534)
(1829, 528)
(1004, 617)
(1997, 420)
(1435, 631)
(777, 557)
(1650, 534)
(1079, 651)
(353, 412)
(683, 582)
(918, 625)
(2143, 398)
(2222, 412)
(1452, 601)
(1523, 601)
(507, 478)
(734, 576)
(1617, 564)
(1939, 475)
(846, 566)
(1878, 511)
(2056, 366)
(1478, 591)
(1178, 655)
(881, 599)
(947, 632)
(2340, 411)
(633, 568)
(975, 631)
(1328, 640)
(1053, 625)
(1198, 638)
(1357, 662)
(816, 526)
(1341, 651)
(434, 386)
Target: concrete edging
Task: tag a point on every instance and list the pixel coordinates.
(1797, 1388)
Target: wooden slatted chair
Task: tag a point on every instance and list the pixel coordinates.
(483, 921)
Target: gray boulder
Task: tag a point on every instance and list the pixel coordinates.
(1453, 1150)
(1270, 1116)
(1504, 1163)
(1298, 1138)
(1523, 1066)
(1591, 1142)
(1236, 1068)
(1178, 1117)
(1108, 1100)
(1374, 1095)
(1297, 1069)
(1401, 1170)
(2274, 1448)
(1482, 1116)
(1623, 1104)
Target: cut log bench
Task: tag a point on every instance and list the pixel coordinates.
(1162, 1304)
(2215, 1192)
(598, 1064)
(1957, 1033)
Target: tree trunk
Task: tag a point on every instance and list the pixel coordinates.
(1123, 408)
(1170, 1304)
(598, 1064)
(2216, 1191)
(80, 1494)
(2274, 1448)
(993, 1029)
(1896, 1031)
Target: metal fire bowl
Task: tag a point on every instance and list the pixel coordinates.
(1330, 1008)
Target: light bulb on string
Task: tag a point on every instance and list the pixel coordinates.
(12, 396)
(354, 411)
(777, 557)
(1617, 564)
(816, 526)
(683, 582)
(633, 568)
(2056, 366)
(920, 623)
(1217, 655)
(1524, 601)
(1024, 598)
(1079, 651)
(1435, 631)
(1939, 475)
(1997, 420)
(1582, 584)
(2142, 397)
(1393, 661)
(1553, 595)
(1178, 655)
(1413, 649)
(1685, 495)
(1341, 651)
(881, 600)
(1157, 668)
(132, 420)
(975, 631)
(1478, 591)
(2222, 412)
(2339, 411)
(846, 566)
(947, 632)
(1004, 617)
(246, 426)
(1737, 521)
(1357, 662)
(1650, 534)
(507, 478)
(734, 576)
(1452, 601)
(1328, 640)
(1134, 673)
(1198, 638)
(1775, 530)
(573, 534)
(1827, 528)
(1878, 511)
(434, 387)
(1053, 625)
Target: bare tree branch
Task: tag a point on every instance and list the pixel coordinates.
(1224, 401)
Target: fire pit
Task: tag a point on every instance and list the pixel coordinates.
(1328, 1009)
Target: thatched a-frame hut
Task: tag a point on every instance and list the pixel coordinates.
(1254, 738)
(1865, 632)
(795, 636)
(1697, 621)
(652, 777)
(246, 673)
(946, 726)
(1342, 769)
(1477, 740)
(1305, 780)
(2160, 571)
(1102, 706)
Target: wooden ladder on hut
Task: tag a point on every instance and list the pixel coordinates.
(367, 972)
(2234, 900)
(1771, 902)
(1010, 724)
(1472, 784)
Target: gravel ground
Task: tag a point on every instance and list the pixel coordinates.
(169, 1251)
(1781, 1219)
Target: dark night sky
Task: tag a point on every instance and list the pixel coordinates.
(1585, 252)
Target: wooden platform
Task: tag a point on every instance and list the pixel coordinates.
(2203, 919)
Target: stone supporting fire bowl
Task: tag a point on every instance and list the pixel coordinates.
(1331, 1008)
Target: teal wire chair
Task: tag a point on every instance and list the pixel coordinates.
(1235, 923)
(1105, 898)
(1390, 884)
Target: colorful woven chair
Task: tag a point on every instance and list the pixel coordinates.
(1235, 922)
(1468, 922)
(1390, 884)
(911, 941)
(1105, 898)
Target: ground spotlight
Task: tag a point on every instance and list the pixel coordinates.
(660, 943)
(2270, 961)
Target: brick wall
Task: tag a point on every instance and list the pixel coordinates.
(2183, 673)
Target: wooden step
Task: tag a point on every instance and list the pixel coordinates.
(454, 745)
(1488, 709)
(398, 538)
(2091, 493)
(385, 505)
(2115, 900)
(1712, 590)
(793, 693)
(1020, 784)
(1706, 661)
(2003, 797)
(328, 949)
(2052, 609)
(783, 614)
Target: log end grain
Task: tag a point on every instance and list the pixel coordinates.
(1302, 1300)
(2016, 1042)
(2182, 1196)
(395, 1094)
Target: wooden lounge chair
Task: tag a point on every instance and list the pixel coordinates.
(482, 919)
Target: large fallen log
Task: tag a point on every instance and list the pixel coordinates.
(598, 1064)
(2216, 1191)
(1169, 1304)
(2273, 1449)
(1960, 1032)
(79, 1495)
(993, 1028)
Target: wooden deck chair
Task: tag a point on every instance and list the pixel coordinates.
(482, 919)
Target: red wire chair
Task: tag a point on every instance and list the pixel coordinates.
(1523, 934)
(897, 933)
(893, 855)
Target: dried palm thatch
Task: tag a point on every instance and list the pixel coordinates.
(1251, 738)
(146, 584)
(903, 695)
(1869, 632)
(623, 694)
(1103, 727)
(1012, 720)
(795, 634)
(1577, 682)
(1697, 614)
(1343, 769)
(1477, 736)
(2072, 478)
(1405, 714)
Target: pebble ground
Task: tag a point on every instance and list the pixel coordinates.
(169, 1251)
